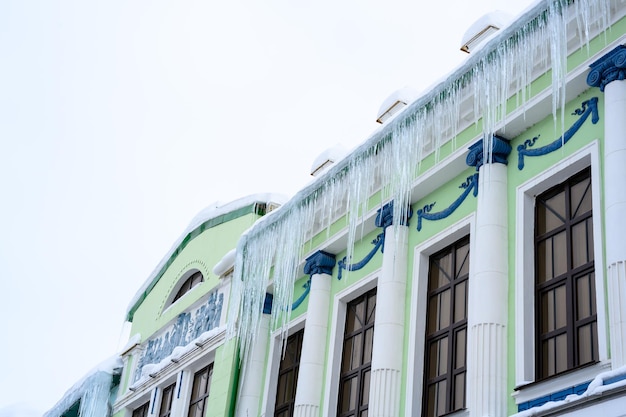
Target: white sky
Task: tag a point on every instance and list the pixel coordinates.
(120, 120)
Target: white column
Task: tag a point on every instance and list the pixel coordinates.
(388, 349)
(254, 367)
(608, 73)
(488, 286)
(311, 372)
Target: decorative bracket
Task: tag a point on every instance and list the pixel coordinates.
(588, 107)
(471, 184)
(319, 263)
(609, 68)
(378, 242)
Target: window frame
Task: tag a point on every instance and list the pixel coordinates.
(274, 358)
(338, 322)
(417, 333)
(450, 332)
(204, 397)
(528, 386)
(294, 368)
(363, 367)
(144, 408)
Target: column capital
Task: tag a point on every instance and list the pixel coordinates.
(267, 304)
(320, 263)
(611, 67)
(500, 150)
(384, 218)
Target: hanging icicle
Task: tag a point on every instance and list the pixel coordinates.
(270, 253)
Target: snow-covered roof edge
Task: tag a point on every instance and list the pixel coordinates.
(209, 213)
(531, 14)
(106, 369)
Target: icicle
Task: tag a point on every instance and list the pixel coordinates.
(272, 251)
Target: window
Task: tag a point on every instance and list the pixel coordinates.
(142, 411)
(565, 307)
(195, 279)
(446, 330)
(166, 401)
(288, 376)
(354, 385)
(200, 391)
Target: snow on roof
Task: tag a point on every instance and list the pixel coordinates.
(405, 95)
(93, 387)
(496, 19)
(213, 211)
(327, 158)
(227, 262)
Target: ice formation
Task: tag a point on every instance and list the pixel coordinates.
(93, 392)
(271, 252)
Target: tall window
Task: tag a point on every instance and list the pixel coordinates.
(200, 391)
(195, 279)
(446, 330)
(356, 363)
(166, 401)
(288, 376)
(566, 321)
(142, 411)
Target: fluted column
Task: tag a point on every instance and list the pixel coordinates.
(310, 375)
(253, 369)
(387, 354)
(488, 283)
(608, 73)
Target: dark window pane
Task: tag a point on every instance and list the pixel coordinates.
(559, 251)
(288, 376)
(565, 306)
(459, 392)
(357, 356)
(446, 335)
(460, 301)
(581, 197)
(551, 213)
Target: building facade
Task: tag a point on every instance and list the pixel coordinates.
(466, 260)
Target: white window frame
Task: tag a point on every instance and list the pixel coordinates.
(333, 365)
(417, 323)
(525, 276)
(275, 352)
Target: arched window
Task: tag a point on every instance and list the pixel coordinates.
(194, 279)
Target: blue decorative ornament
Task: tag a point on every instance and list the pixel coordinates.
(500, 150)
(471, 184)
(588, 108)
(378, 243)
(610, 67)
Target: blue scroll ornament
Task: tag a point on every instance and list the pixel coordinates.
(588, 107)
(471, 184)
(307, 289)
(378, 242)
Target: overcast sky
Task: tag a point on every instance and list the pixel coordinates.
(120, 120)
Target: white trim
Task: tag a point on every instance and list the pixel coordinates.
(274, 356)
(338, 322)
(417, 328)
(524, 255)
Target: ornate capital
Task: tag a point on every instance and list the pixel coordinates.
(610, 67)
(267, 304)
(384, 218)
(320, 263)
(500, 150)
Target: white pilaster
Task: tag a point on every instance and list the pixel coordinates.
(388, 349)
(488, 290)
(310, 376)
(608, 73)
(252, 375)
